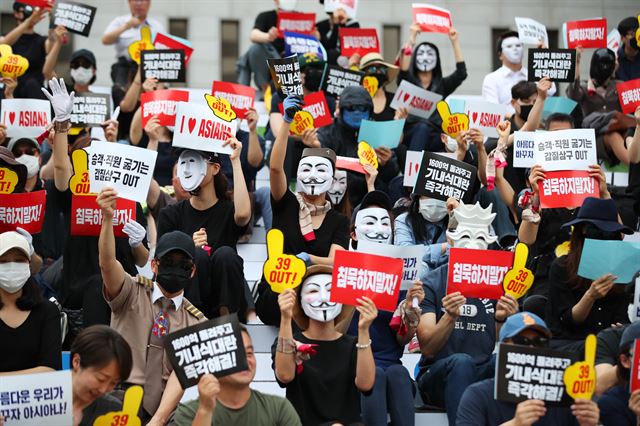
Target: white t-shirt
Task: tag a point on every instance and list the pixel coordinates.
(497, 85)
(132, 34)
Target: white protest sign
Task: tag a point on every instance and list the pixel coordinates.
(613, 40)
(411, 168)
(523, 145)
(127, 169)
(37, 399)
(635, 315)
(25, 118)
(416, 100)
(198, 128)
(571, 149)
(410, 255)
(349, 6)
(531, 31)
(485, 116)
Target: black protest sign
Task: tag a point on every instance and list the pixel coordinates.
(442, 177)
(212, 347)
(286, 76)
(167, 65)
(557, 64)
(336, 79)
(525, 372)
(91, 109)
(75, 17)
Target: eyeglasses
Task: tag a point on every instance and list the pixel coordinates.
(538, 341)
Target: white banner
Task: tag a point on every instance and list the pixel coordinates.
(485, 116)
(419, 102)
(198, 128)
(25, 118)
(411, 168)
(572, 149)
(531, 31)
(523, 150)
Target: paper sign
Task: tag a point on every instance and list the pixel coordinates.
(485, 116)
(588, 33)
(197, 128)
(281, 271)
(526, 372)
(452, 124)
(629, 95)
(634, 380)
(129, 414)
(580, 377)
(478, 273)
(12, 65)
(75, 17)
(162, 104)
(314, 114)
(518, 280)
(25, 118)
(138, 46)
(419, 102)
(380, 134)
(360, 274)
(349, 6)
(220, 107)
(531, 31)
(370, 83)
(167, 41)
(165, 65)
(299, 44)
(571, 149)
(613, 40)
(411, 168)
(8, 181)
(212, 347)
(567, 188)
(367, 155)
(601, 257)
(335, 79)
(432, 19)
(523, 150)
(411, 258)
(441, 177)
(558, 104)
(557, 64)
(86, 216)
(90, 109)
(286, 76)
(24, 210)
(348, 163)
(358, 41)
(240, 97)
(37, 399)
(303, 23)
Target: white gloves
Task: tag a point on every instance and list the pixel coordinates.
(61, 101)
(135, 232)
(28, 237)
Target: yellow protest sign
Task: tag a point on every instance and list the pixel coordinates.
(302, 121)
(452, 124)
(8, 180)
(367, 155)
(221, 107)
(139, 45)
(79, 182)
(282, 271)
(518, 280)
(638, 32)
(371, 84)
(129, 414)
(580, 377)
(12, 65)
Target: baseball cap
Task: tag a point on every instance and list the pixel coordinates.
(630, 333)
(175, 240)
(516, 323)
(13, 142)
(373, 198)
(83, 53)
(10, 240)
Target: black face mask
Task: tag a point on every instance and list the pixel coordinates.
(312, 79)
(173, 278)
(525, 110)
(594, 233)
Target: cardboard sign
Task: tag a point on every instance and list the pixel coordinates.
(600, 257)
(299, 44)
(197, 128)
(303, 23)
(634, 380)
(358, 41)
(90, 109)
(348, 163)
(531, 31)
(526, 372)
(588, 33)
(518, 279)
(557, 64)
(523, 150)
(138, 46)
(432, 19)
(452, 124)
(162, 104)
(419, 102)
(86, 216)
(281, 271)
(567, 188)
(381, 133)
(580, 377)
(75, 17)
(165, 65)
(571, 149)
(335, 79)
(127, 169)
(411, 258)
(25, 210)
(478, 273)
(367, 155)
(441, 177)
(8, 180)
(12, 65)
(485, 116)
(167, 41)
(212, 347)
(129, 414)
(286, 76)
(411, 168)
(361, 274)
(37, 399)
(349, 6)
(239, 96)
(629, 95)
(25, 118)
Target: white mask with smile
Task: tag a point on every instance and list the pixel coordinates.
(192, 169)
(512, 49)
(338, 187)
(426, 58)
(373, 224)
(314, 298)
(315, 175)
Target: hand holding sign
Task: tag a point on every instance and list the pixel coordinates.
(452, 124)
(518, 280)
(12, 65)
(129, 414)
(139, 45)
(580, 377)
(282, 271)
(367, 155)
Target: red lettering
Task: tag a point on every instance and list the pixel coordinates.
(489, 120)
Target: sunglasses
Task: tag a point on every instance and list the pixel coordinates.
(84, 63)
(538, 341)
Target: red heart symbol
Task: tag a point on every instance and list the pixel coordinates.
(417, 166)
(406, 97)
(474, 116)
(191, 124)
(12, 116)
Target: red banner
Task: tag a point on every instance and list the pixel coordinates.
(239, 96)
(348, 163)
(478, 273)
(360, 274)
(25, 210)
(431, 19)
(304, 23)
(629, 95)
(163, 41)
(86, 216)
(567, 188)
(634, 383)
(358, 40)
(588, 33)
(43, 4)
(162, 103)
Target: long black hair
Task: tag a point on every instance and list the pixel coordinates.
(31, 296)
(417, 222)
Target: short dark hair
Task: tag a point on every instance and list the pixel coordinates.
(98, 345)
(627, 25)
(502, 38)
(31, 296)
(558, 117)
(523, 90)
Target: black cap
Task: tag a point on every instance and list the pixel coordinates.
(373, 198)
(630, 333)
(84, 53)
(175, 240)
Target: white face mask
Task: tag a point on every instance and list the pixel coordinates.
(315, 175)
(81, 75)
(432, 210)
(373, 224)
(13, 276)
(338, 187)
(512, 49)
(192, 169)
(452, 144)
(314, 298)
(426, 58)
(31, 161)
(287, 5)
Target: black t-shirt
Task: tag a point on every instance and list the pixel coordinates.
(264, 22)
(53, 236)
(329, 37)
(32, 47)
(35, 342)
(387, 113)
(103, 405)
(608, 346)
(163, 172)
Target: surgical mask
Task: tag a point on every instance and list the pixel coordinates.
(13, 276)
(426, 58)
(338, 187)
(31, 161)
(452, 144)
(373, 224)
(192, 168)
(173, 278)
(315, 175)
(512, 49)
(315, 296)
(287, 5)
(525, 110)
(81, 75)
(353, 119)
(312, 79)
(432, 210)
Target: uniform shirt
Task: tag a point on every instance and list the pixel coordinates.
(132, 34)
(496, 86)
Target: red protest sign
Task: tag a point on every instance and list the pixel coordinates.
(431, 19)
(43, 4)
(304, 23)
(164, 41)
(360, 274)
(567, 188)
(358, 40)
(316, 105)
(86, 216)
(629, 95)
(634, 382)
(588, 33)
(239, 96)
(25, 210)
(348, 163)
(163, 104)
(478, 273)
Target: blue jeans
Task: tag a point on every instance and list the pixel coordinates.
(446, 380)
(392, 393)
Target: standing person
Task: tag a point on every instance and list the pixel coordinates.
(629, 52)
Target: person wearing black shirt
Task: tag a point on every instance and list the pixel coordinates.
(329, 30)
